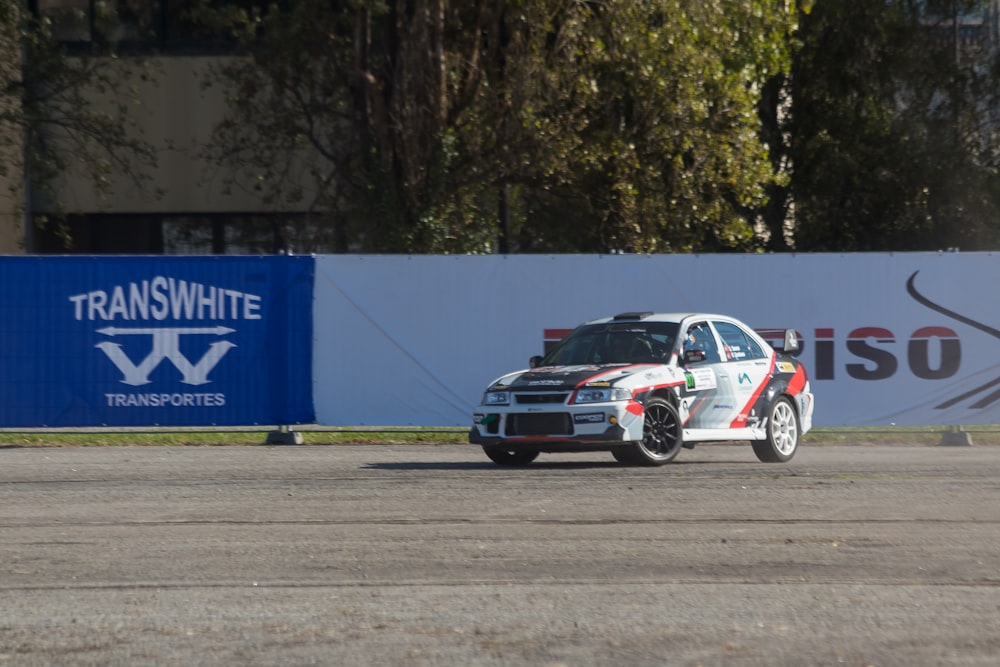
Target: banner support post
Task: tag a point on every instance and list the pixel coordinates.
(285, 435)
(956, 436)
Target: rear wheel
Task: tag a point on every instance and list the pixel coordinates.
(662, 437)
(782, 433)
(511, 457)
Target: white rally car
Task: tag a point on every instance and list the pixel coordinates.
(643, 385)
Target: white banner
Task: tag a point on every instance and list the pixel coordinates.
(907, 339)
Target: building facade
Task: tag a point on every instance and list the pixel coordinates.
(186, 203)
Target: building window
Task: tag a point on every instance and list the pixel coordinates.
(193, 235)
(228, 234)
(71, 20)
(89, 21)
(98, 234)
(131, 21)
(180, 234)
(146, 26)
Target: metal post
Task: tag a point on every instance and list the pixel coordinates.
(956, 436)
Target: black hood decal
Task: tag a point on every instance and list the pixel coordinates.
(570, 377)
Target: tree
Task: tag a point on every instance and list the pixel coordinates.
(357, 108)
(895, 131)
(673, 149)
(597, 126)
(47, 100)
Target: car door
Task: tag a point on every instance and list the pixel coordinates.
(746, 369)
(705, 397)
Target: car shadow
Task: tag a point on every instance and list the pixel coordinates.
(484, 465)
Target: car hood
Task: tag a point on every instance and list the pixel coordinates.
(570, 377)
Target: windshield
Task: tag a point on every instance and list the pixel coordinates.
(615, 343)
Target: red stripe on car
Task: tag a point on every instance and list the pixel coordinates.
(797, 382)
(741, 419)
(637, 408)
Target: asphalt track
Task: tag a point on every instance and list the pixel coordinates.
(431, 555)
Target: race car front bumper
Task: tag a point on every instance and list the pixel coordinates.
(595, 425)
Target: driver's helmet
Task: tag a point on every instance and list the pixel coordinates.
(698, 338)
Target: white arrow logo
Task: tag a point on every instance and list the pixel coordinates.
(166, 345)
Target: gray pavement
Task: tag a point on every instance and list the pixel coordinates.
(432, 555)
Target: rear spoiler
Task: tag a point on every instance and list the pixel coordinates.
(783, 340)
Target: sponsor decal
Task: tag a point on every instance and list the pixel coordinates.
(589, 418)
(546, 383)
(598, 383)
(734, 352)
(700, 379)
(165, 316)
(786, 367)
(744, 378)
(562, 370)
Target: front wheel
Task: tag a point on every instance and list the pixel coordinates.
(662, 437)
(782, 433)
(511, 457)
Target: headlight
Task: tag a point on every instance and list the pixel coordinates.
(602, 395)
(496, 398)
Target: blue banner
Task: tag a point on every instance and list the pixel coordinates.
(156, 341)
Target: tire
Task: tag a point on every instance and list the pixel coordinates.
(783, 433)
(624, 454)
(662, 437)
(511, 457)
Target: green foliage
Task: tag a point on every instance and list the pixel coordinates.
(476, 126)
(619, 125)
(46, 102)
(672, 150)
(895, 141)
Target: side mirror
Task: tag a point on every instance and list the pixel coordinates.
(693, 356)
(535, 361)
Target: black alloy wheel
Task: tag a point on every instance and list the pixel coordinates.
(662, 436)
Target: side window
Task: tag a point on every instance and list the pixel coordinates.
(738, 345)
(699, 337)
